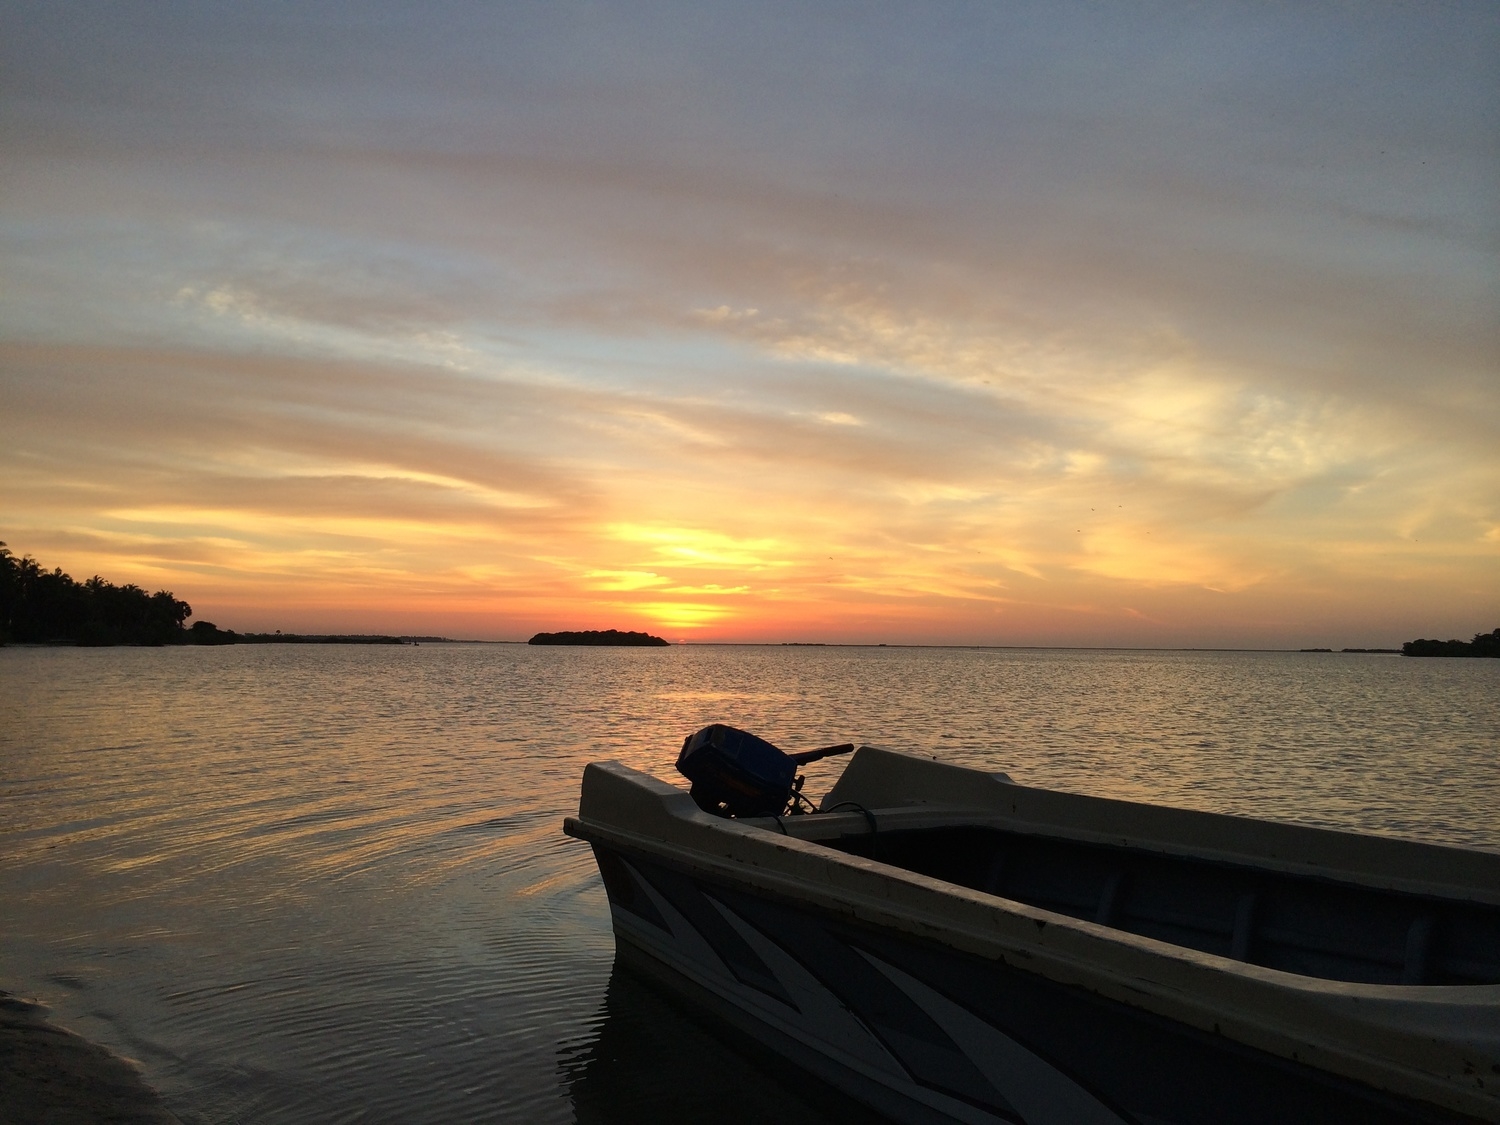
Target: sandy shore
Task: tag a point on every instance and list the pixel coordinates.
(51, 1076)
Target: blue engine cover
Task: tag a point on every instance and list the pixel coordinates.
(735, 773)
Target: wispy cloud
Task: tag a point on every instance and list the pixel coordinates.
(970, 326)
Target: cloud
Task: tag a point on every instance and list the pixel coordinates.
(949, 324)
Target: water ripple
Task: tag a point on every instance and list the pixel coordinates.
(328, 884)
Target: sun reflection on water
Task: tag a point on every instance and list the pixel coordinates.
(311, 883)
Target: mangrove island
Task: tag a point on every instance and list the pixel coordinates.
(597, 637)
(1483, 644)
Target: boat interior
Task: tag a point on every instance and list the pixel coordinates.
(1298, 923)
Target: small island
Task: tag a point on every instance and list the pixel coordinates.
(1483, 644)
(597, 637)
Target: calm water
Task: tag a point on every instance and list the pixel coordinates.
(322, 884)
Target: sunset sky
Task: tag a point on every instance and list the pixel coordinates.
(1154, 324)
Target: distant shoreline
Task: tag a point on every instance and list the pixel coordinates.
(377, 639)
(229, 637)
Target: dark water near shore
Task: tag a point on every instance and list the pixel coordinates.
(324, 884)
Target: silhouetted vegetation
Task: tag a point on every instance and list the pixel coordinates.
(319, 639)
(207, 633)
(48, 607)
(596, 637)
(44, 606)
(1483, 644)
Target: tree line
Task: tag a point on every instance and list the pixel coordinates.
(48, 606)
(1483, 644)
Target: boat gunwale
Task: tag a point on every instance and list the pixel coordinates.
(794, 889)
(812, 828)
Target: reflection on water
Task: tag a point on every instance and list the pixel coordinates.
(310, 884)
(644, 1042)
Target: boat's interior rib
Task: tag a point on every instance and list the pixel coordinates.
(1298, 923)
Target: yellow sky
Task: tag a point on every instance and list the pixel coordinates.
(995, 332)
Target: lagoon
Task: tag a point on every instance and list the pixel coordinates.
(328, 883)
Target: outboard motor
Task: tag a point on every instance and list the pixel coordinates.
(734, 773)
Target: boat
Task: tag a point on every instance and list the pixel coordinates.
(945, 945)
